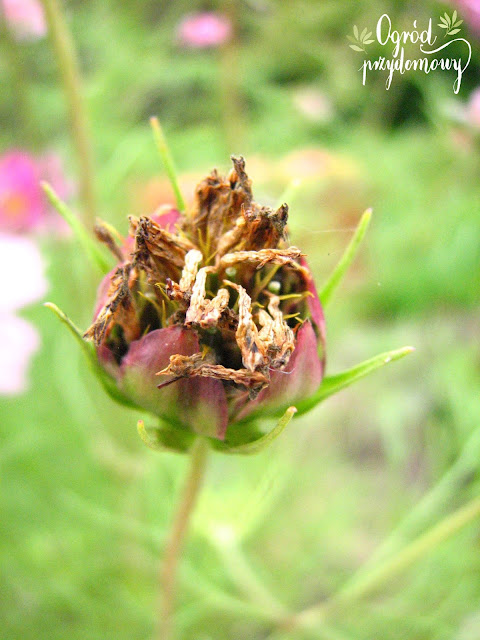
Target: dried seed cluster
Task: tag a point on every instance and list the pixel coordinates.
(225, 272)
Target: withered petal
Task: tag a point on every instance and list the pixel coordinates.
(300, 378)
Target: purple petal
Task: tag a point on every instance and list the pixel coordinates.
(198, 404)
(301, 377)
(315, 309)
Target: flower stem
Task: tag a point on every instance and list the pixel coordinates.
(198, 459)
(167, 160)
(68, 65)
(390, 569)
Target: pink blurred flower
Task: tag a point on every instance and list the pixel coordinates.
(25, 18)
(470, 11)
(19, 339)
(204, 30)
(23, 206)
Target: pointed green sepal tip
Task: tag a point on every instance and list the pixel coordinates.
(258, 445)
(346, 260)
(333, 384)
(94, 254)
(167, 161)
(88, 350)
(165, 438)
(151, 442)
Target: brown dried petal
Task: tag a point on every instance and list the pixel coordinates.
(263, 257)
(190, 366)
(253, 350)
(152, 240)
(118, 307)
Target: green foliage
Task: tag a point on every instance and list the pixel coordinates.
(353, 483)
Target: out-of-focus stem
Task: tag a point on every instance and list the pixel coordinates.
(315, 616)
(186, 504)
(68, 65)
(167, 160)
(23, 113)
(228, 85)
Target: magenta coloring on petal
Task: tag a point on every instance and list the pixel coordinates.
(198, 404)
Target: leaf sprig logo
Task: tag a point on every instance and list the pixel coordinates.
(359, 41)
(450, 24)
(421, 41)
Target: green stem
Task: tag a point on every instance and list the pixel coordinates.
(167, 160)
(417, 549)
(68, 65)
(23, 113)
(178, 531)
(245, 578)
(424, 510)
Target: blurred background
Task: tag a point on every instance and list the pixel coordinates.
(84, 505)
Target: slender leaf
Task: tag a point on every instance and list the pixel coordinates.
(355, 48)
(457, 24)
(443, 26)
(363, 34)
(347, 258)
(355, 32)
(167, 160)
(368, 41)
(447, 17)
(105, 380)
(335, 383)
(260, 444)
(454, 16)
(87, 242)
(452, 33)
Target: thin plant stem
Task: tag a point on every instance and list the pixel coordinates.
(245, 578)
(390, 569)
(23, 112)
(167, 160)
(68, 66)
(178, 531)
(435, 499)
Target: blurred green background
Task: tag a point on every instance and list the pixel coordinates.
(85, 506)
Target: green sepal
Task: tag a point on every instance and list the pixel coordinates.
(258, 445)
(165, 438)
(88, 244)
(345, 261)
(107, 382)
(332, 384)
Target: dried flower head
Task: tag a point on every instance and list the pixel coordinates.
(210, 316)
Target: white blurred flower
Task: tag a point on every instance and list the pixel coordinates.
(23, 282)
